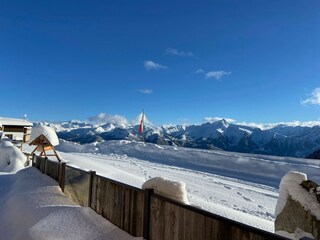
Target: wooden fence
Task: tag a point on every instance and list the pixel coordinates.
(78, 185)
(143, 213)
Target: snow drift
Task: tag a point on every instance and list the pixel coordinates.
(34, 207)
(171, 189)
(11, 158)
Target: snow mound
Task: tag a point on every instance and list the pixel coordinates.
(171, 189)
(11, 158)
(290, 186)
(46, 131)
(33, 207)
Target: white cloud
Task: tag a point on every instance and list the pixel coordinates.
(173, 51)
(214, 119)
(314, 98)
(199, 70)
(151, 65)
(106, 118)
(266, 126)
(146, 91)
(216, 74)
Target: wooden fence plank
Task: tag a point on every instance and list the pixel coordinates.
(198, 226)
(94, 193)
(157, 219)
(126, 212)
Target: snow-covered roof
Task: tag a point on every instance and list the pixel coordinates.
(46, 131)
(14, 121)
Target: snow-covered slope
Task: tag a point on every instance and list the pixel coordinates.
(281, 140)
(243, 187)
(263, 169)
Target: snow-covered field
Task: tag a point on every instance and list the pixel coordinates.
(243, 187)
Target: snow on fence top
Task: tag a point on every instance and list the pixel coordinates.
(171, 189)
(291, 186)
(11, 158)
(47, 132)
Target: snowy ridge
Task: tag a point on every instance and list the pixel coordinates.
(282, 140)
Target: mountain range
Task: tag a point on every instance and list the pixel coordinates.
(280, 140)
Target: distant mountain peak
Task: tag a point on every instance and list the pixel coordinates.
(281, 140)
(225, 123)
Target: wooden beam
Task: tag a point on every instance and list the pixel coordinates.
(57, 155)
(44, 151)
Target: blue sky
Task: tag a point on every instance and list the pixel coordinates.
(180, 61)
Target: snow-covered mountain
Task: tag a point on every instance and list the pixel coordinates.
(281, 140)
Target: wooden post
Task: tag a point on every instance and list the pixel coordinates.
(146, 213)
(92, 174)
(62, 172)
(33, 161)
(34, 150)
(56, 154)
(46, 165)
(44, 151)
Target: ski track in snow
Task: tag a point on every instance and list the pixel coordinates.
(250, 203)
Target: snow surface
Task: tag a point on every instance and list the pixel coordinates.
(46, 131)
(290, 186)
(33, 207)
(11, 158)
(175, 190)
(242, 187)
(262, 169)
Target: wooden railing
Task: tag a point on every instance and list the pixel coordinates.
(143, 213)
